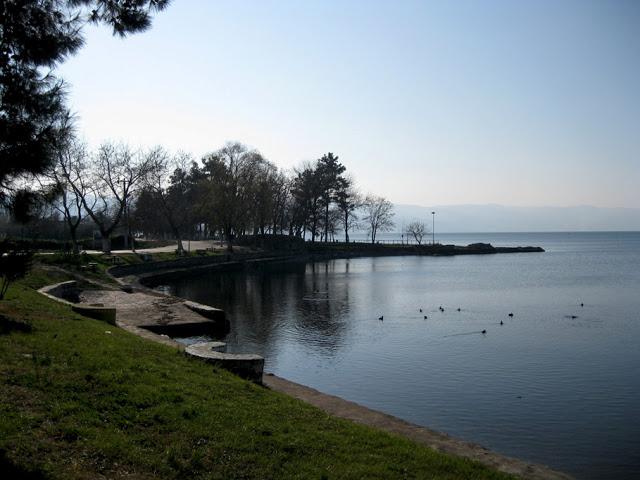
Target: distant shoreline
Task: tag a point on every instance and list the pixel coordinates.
(152, 274)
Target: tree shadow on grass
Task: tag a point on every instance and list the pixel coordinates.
(8, 325)
(16, 472)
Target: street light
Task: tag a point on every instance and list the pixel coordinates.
(433, 228)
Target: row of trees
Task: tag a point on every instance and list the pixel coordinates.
(230, 193)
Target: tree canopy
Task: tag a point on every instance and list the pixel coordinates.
(233, 194)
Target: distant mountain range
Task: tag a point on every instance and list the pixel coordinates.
(499, 218)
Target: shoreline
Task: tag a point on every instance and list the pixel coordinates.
(334, 405)
(438, 441)
(346, 409)
(152, 274)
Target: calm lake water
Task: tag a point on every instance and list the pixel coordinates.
(544, 386)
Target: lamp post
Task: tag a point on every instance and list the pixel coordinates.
(433, 228)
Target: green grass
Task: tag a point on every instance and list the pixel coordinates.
(82, 399)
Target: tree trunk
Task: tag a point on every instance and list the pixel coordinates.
(106, 243)
(346, 227)
(74, 241)
(73, 233)
(176, 234)
(133, 241)
(227, 233)
(326, 220)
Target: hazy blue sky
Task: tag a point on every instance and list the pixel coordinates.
(431, 103)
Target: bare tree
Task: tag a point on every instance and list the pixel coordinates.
(378, 215)
(62, 175)
(348, 201)
(115, 175)
(169, 184)
(231, 175)
(418, 230)
(267, 196)
(281, 192)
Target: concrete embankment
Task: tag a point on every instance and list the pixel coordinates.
(338, 250)
(246, 365)
(69, 294)
(160, 318)
(152, 274)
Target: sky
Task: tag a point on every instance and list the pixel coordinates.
(520, 103)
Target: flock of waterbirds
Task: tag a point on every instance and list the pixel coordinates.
(484, 331)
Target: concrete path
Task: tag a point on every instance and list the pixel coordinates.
(137, 311)
(195, 245)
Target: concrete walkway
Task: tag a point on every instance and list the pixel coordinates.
(140, 309)
(137, 312)
(195, 245)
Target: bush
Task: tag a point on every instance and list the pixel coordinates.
(14, 264)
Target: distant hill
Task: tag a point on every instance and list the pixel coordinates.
(498, 218)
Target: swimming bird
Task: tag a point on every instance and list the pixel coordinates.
(420, 310)
(582, 304)
(458, 308)
(381, 317)
(574, 316)
(501, 322)
(425, 317)
(484, 331)
(511, 314)
(440, 308)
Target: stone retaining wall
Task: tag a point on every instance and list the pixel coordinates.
(187, 262)
(248, 366)
(68, 294)
(155, 273)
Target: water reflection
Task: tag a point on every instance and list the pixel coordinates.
(292, 301)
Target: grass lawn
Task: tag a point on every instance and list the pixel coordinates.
(83, 399)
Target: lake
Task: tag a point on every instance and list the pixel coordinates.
(558, 383)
